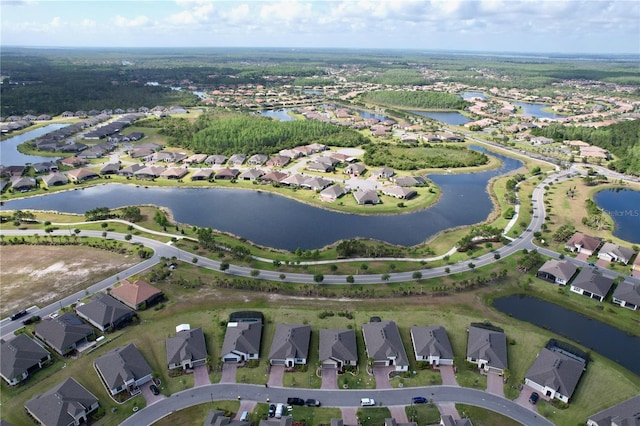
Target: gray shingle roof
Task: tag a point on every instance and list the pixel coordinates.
(290, 341)
(431, 341)
(383, 342)
(186, 345)
(562, 269)
(243, 337)
(629, 292)
(19, 354)
(557, 371)
(627, 413)
(488, 345)
(104, 310)
(121, 365)
(60, 405)
(338, 344)
(593, 281)
(62, 332)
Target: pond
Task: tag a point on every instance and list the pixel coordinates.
(602, 338)
(453, 118)
(623, 205)
(278, 114)
(9, 154)
(469, 95)
(279, 222)
(536, 110)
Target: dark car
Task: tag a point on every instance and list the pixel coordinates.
(312, 403)
(18, 314)
(272, 410)
(420, 400)
(534, 398)
(154, 390)
(295, 401)
(33, 319)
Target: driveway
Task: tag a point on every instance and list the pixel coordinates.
(523, 398)
(228, 372)
(495, 384)
(245, 406)
(448, 409)
(582, 256)
(201, 375)
(448, 375)
(381, 374)
(329, 378)
(148, 395)
(398, 413)
(602, 263)
(349, 416)
(275, 375)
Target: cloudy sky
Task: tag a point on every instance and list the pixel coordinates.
(528, 26)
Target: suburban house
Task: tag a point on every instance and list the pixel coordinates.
(318, 166)
(366, 196)
(338, 348)
(391, 421)
(68, 403)
(487, 348)
(581, 243)
(409, 180)
(278, 161)
(175, 173)
(315, 183)
(383, 173)
(332, 192)
(202, 174)
(627, 295)
(123, 368)
(187, 349)
(81, 175)
(290, 345)
(274, 176)
(555, 373)
(448, 420)
(137, 295)
(217, 418)
(432, 345)
(400, 192)
(20, 357)
(592, 283)
(237, 159)
(615, 253)
(274, 421)
(227, 173)
(216, 160)
(251, 174)
(625, 413)
(65, 333)
(104, 312)
(110, 169)
(384, 345)
(355, 169)
(23, 183)
(636, 265)
(130, 170)
(54, 179)
(257, 159)
(557, 271)
(195, 159)
(242, 340)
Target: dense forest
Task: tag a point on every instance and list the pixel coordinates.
(422, 100)
(416, 158)
(234, 133)
(621, 139)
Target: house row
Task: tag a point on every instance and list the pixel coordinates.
(588, 245)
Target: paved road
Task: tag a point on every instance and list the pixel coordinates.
(333, 398)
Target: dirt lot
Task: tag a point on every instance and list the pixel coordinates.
(41, 274)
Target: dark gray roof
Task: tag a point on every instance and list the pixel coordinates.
(60, 405)
(244, 337)
(627, 413)
(56, 178)
(431, 341)
(186, 345)
(64, 331)
(104, 310)
(19, 354)
(284, 421)
(448, 420)
(290, 341)
(122, 364)
(593, 281)
(490, 345)
(364, 196)
(217, 418)
(559, 268)
(333, 191)
(557, 371)
(629, 292)
(383, 342)
(338, 344)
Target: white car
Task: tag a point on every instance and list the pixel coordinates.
(367, 402)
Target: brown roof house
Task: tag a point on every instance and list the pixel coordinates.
(581, 243)
(338, 348)
(123, 368)
(627, 295)
(68, 403)
(591, 283)
(557, 271)
(105, 313)
(242, 340)
(432, 345)
(65, 333)
(555, 374)
(137, 295)
(384, 345)
(187, 349)
(81, 175)
(487, 347)
(626, 413)
(290, 345)
(20, 357)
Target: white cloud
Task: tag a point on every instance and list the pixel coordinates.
(138, 21)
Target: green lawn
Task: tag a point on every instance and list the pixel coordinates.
(481, 417)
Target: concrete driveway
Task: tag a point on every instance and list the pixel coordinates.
(201, 375)
(495, 384)
(228, 372)
(148, 395)
(381, 374)
(448, 375)
(448, 409)
(398, 413)
(275, 375)
(329, 378)
(349, 415)
(245, 406)
(523, 398)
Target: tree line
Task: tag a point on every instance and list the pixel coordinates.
(410, 99)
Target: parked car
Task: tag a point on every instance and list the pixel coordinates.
(312, 403)
(295, 401)
(534, 398)
(33, 319)
(279, 410)
(367, 402)
(18, 314)
(154, 390)
(420, 400)
(272, 410)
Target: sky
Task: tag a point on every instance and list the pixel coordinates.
(527, 26)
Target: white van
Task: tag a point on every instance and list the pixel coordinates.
(279, 410)
(244, 416)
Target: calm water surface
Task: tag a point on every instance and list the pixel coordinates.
(602, 338)
(9, 154)
(536, 110)
(453, 118)
(623, 205)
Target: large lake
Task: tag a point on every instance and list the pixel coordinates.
(276, 221)
(9, 154)
(453, 118)
(602, 338)
(536, 110)
(623, 205)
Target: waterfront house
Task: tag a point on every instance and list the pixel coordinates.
(202, 174)
(55, 179)
(105, 313)
(242, 340)
(555, 373)
(332, 192)
(487, 348)
(68, 403)
(615, 253)
(64, 333)
(366, 196)
(174, 173)
(384, 345)
(110, 169)
(591, 283)
(290, 345)
(432, 345)
(137, 295)
(338, 348)
(20, 357)
(400, 192)
(251, 174)
(623, 414)
(123, 369)
(187, 349)
(129, 171)
(557, 271)
(274, 176)
(81, 175)
(23, 184)
(627, 295)
(582, 243)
